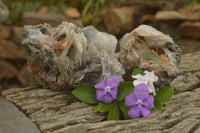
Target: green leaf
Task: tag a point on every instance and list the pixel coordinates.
(153, 110)
(162, 96)
(113, 112)
(158, 105)
(138, 71)
(124, 89)
(124, 109)
(87, 7)
(101, 107)
(86, 93)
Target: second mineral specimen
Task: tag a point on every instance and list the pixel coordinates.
(147, 48)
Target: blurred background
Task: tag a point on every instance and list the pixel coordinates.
(178, 18)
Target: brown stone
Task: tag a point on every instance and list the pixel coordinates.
(11, 51)
(195, 8)
(5, 32)
(119, 20)
(148, 18)
(25, 77)
(7, 70)
(32, 18)
(194, 16)
(72, 13)
(190, 30)
(43, 10)
(16, 34)
(170, 15)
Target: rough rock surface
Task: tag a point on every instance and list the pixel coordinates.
(68, 55)
(189, 74)
(57, 111)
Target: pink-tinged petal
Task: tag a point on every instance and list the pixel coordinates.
(108, 98)
(113, 92)
(141, 91)
(134, 112)
(101, 85)
(113, 81)
(145, 112)
(148, 102)
(100, 95)
(131, 100)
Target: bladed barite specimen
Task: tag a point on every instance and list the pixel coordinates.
(147, 48)
(68, 55)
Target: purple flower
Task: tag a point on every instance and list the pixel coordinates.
(107, 90)
(140, 101)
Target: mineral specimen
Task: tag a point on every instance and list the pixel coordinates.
(68, 55)
(147, 48)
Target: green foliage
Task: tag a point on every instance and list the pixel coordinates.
(101, 107)
(15, 9)
(138, 71)
(124, 109)
(162, 96)
(113, 112)
(91, 10)
(124, 89)
(86, 93)
(198, 1)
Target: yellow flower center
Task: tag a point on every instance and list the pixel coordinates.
(139, 102)
(107, 88)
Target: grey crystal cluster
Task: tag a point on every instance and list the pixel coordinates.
(68, 55)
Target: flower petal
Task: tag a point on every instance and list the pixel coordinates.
(101, 85)
(138, 76)
(108, 98)
(148, 102)
(151, 87)
(134, 112)
(151, 76)
(130, 100)
(113, 92)
(100, 95)
(145, 112)
(113, 81)
(139, 81)
(141, 91)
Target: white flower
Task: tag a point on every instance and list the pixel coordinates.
(149, 78)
